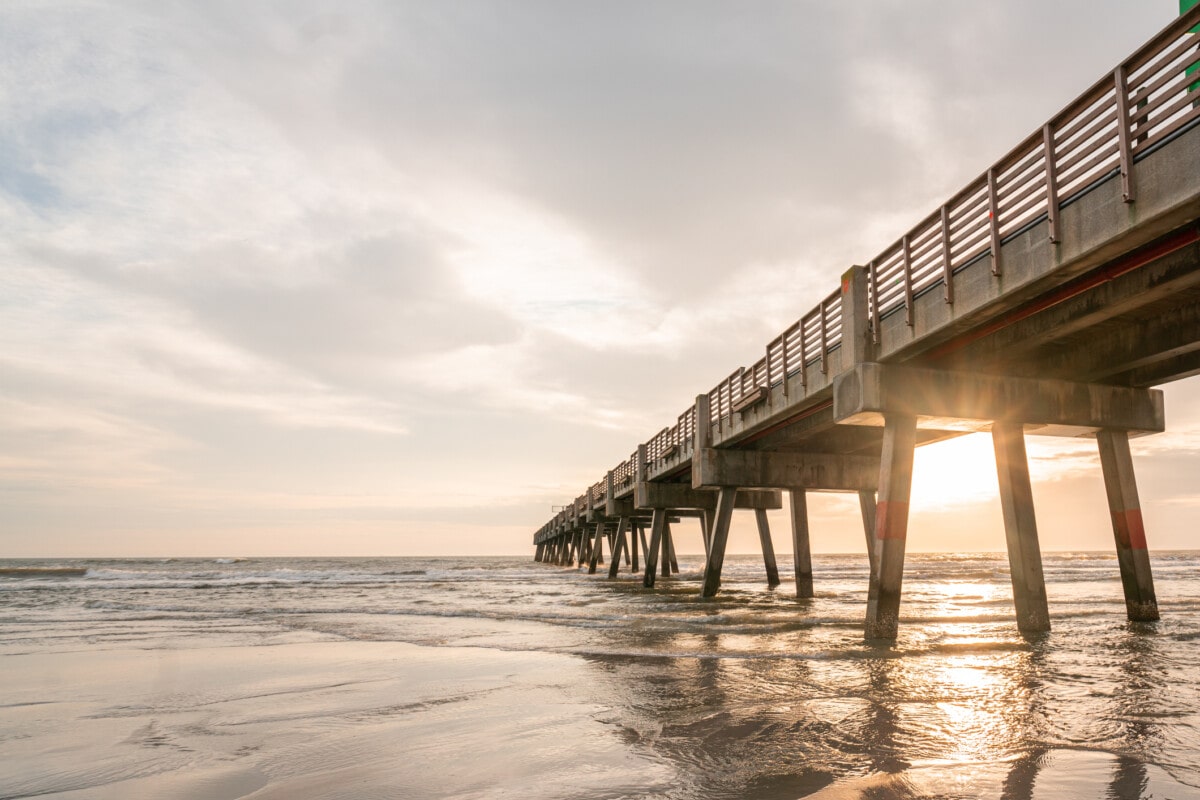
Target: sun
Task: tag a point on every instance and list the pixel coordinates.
(955, 472)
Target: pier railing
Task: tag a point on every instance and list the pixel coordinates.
(1148, 99)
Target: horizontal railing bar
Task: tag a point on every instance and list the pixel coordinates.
(1167, 73)
(1087, 156)
(1158, 136)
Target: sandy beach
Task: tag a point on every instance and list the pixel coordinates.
(321, 719)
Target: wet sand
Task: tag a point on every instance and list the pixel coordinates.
(323, 719)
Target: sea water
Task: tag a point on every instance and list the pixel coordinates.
(501, 677)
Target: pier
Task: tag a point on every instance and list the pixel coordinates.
(1047, 297)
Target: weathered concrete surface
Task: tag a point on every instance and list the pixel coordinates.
(819, 471)
(1124, 325)
(651, 495)
(945, 399)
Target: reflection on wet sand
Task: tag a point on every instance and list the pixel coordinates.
(962, 709)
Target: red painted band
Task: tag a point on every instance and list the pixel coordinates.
(891, 519)
(1131, 531)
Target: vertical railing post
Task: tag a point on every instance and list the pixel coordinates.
(1124, 134)
(1051, 181)
(804, 355)
(947, 267)
(908, 281)
(783, 356)
(824, 337)
(994, 219)
(767, 382)
(872, 302)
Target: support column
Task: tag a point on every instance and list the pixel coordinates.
(706, 526)
(720, 535)
(866, 503)
(597, 554)
(891, 526)
(665, 554)
(585, 546)
(619, 545)
(537, 555)
(669, 552)
(577, 549)
(634, 535)
(1141, 605)
(768, 548)
(801, 551)
(1020, 527)
(657, 523)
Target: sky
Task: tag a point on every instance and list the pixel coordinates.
(394, 278)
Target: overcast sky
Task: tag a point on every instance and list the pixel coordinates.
(393, 278)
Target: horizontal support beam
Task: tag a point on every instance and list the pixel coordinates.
(776, 470)
(941, 399)
(680, 496)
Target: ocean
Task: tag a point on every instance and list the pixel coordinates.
(504, 678)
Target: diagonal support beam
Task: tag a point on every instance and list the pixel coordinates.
(720, 536)
(619, 546)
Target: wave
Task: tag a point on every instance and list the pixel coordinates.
(43, 572)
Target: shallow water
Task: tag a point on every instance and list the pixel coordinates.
(499, 677)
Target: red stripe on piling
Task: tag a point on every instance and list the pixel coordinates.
(1131, 532)
(891, 519)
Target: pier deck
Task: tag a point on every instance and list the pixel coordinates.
(1046, 297)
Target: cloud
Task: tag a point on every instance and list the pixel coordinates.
(382, 242)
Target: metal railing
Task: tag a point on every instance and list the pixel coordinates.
(1148, 99)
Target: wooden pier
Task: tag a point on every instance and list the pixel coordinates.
(1046, 297)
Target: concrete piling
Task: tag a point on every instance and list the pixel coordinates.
(768, 549)
(597, 554)
(720, 535)
(801, 551)
(891, 526)
(1129, 532)
(658, 524)
(1020, 528)
(619, 546)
